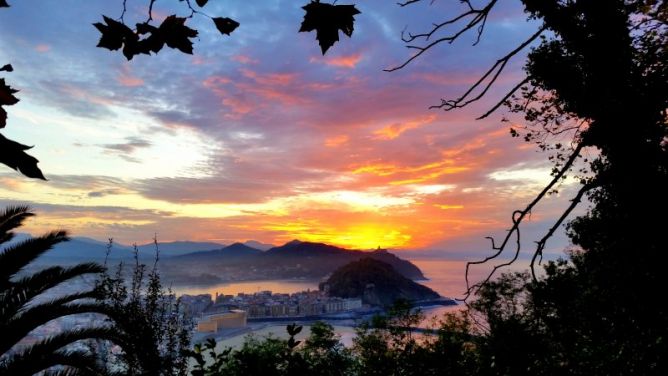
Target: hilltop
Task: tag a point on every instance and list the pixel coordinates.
(293, 260)
(205, 263)
(376, 282)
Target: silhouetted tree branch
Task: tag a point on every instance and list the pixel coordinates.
(517, 218)
(477, 18)
(540, 245)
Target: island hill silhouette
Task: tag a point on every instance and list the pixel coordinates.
(377, 283)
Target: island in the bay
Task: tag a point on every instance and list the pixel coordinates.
(353, 284)
(354, 291)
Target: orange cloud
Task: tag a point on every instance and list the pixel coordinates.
(448, 207)
(395, 130)
(416, 174)
(336, 141)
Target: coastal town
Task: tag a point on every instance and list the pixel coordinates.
(213, 313)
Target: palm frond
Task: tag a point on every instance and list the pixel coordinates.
(49, 353)
(79, 362)
(23, 290)
(17, 256)
(11, 218)
(18, 327)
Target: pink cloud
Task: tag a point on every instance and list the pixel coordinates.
(42, 48)
(125, 78)
(244, 59)
(347, 61)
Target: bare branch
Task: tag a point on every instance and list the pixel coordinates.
(478, 20)
(150, 10)
(517, 218)
(538, 254)
(504, 99)
(488, 79)
(125, 9)
(408, 2)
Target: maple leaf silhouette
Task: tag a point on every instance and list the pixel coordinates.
(176, 34)
(3, 4)
(225, 25)
(327, 19)
(147, 38)
(201, 3)
(116, 35)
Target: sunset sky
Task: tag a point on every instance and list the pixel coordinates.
(258, 136)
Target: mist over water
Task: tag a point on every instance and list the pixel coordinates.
(446, 277)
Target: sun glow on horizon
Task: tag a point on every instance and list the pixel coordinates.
(263, 139)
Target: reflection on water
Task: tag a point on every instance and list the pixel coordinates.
(249, 287)
(446, 277)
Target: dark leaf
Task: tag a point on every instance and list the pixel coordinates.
(292, 343)
(225, 25)
(7, 68)
(293, 329)
(3, 117)
(154, 42)
(201, 3)
(327, 20)
(7, 97)
(3, 4)
(176, 34)
(145, 28)
(13, 155)
(114, 34)
(132, 48)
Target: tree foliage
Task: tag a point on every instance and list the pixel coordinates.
(385, 345)
(154, 329)
(596, 83)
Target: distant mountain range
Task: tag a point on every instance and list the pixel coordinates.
(88, 249)
(293, 260)
(202, 263)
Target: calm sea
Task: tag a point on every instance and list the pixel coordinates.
(444, 277)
